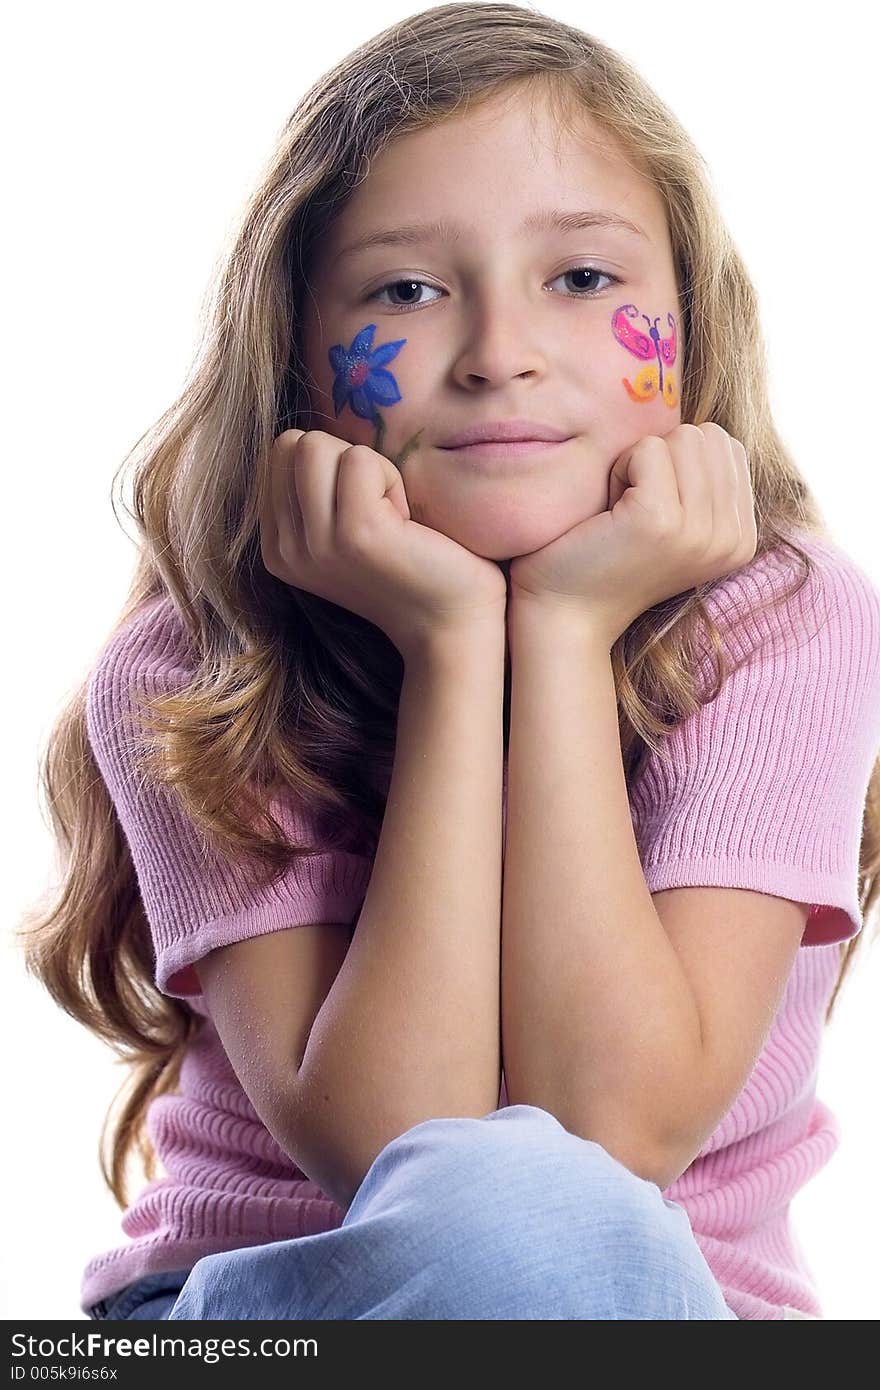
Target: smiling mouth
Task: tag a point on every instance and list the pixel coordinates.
(505, 448)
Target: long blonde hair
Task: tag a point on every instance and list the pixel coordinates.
(291, 687)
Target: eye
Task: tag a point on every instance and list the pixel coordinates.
(585, 292)
(396, 284)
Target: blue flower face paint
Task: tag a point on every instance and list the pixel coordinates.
(362, 382)
(361, 379)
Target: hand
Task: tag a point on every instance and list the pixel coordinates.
(335, 522)
(680, 513)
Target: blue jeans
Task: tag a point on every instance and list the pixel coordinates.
(151, 1298)
(509, 1216)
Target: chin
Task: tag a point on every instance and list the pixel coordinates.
(501, 536)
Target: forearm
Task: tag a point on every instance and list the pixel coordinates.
(411, 1026)
(598, 1018)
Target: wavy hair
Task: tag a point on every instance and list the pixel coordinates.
(292, 689)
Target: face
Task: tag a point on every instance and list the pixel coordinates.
(409, 343)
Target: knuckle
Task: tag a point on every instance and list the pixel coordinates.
(356, 450)
(310, 441)
(284, 444)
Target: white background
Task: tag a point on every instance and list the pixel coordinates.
(133, 133)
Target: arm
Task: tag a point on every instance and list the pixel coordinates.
(599, 1022)
(411, 1026)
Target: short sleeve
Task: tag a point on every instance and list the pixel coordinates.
(194, 898)
(764, 788)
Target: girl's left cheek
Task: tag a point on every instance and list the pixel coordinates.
(653, 341)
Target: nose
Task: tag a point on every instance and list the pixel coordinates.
(500, 340)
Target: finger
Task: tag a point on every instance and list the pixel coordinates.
(312, 482)
(287, 519)
(619, 478)
(745, 500)
(275, 521)
(729, 463)
(721, 465)
(734, 503)
(649, 469)
(267, 523)
(365, 478)
(696, 479)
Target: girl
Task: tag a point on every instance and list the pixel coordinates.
(472, 816)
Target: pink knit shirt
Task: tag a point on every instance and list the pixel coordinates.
(762, 789)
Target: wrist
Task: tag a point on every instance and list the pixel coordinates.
(464, 640)
(533, 617)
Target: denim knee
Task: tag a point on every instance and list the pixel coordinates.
(516, 1164)
(515, 1211)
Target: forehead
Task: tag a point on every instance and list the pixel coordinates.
(516, 151)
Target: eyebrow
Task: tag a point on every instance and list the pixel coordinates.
(551, 219)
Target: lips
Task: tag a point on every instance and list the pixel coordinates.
(506, 456)
(504, 431)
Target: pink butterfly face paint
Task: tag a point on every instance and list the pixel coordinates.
(651, 381)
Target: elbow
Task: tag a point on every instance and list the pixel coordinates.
(647, 1161)
(666, 1166)
(331, 1165)
(322, 1144)
(652, 1160)
(657, 1162)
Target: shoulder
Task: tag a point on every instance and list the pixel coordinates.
(763, 786)
(772, 614)
(152, 641)
(149, 653)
